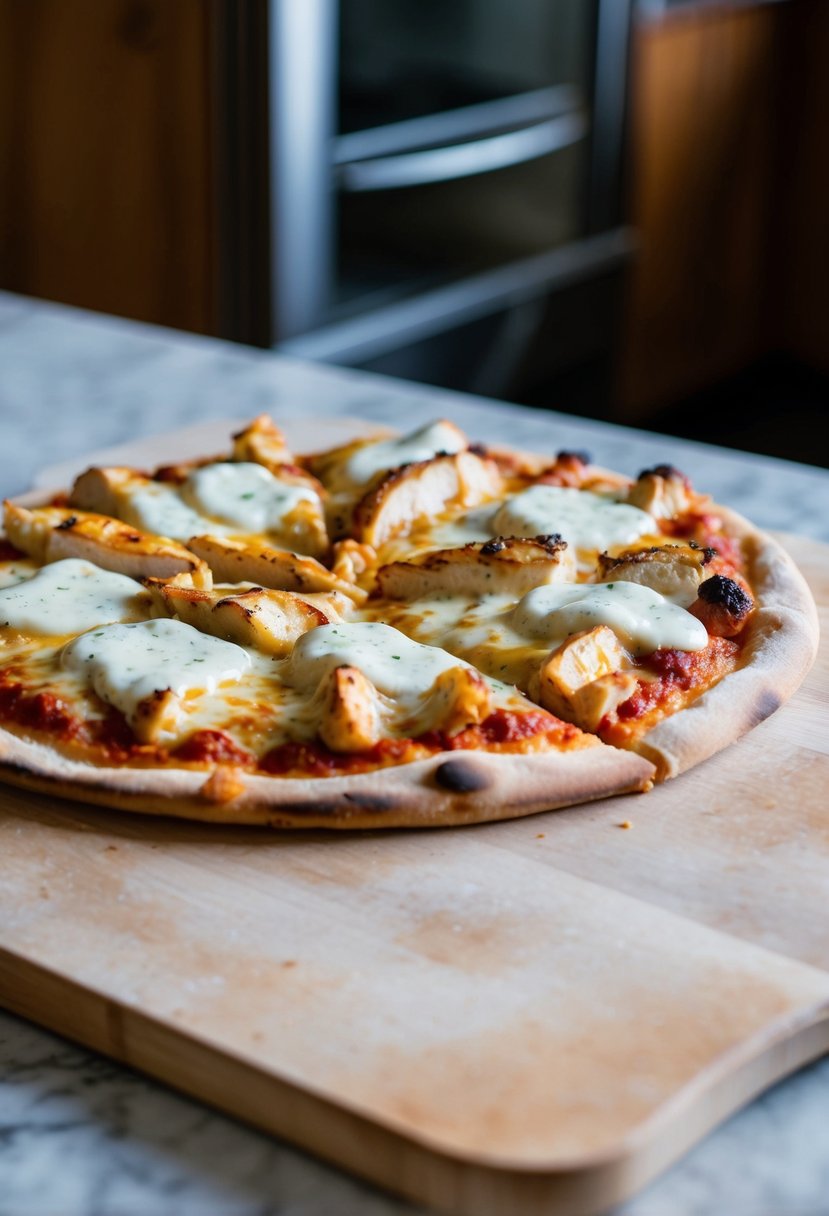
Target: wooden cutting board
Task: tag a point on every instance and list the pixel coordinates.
(532, 1016)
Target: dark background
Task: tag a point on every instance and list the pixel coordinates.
(114, 138)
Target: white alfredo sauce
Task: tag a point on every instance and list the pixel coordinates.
(218, 499)
(70, 596)
(245, 494)
(583, 519)
(396, 666)
(422, 444)
(125, 664)
(642, 619)
(159, 508)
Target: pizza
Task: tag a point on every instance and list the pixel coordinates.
(397, 631)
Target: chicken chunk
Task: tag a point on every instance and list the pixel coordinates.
(723, 606)
(354, 563)
(105, 490)
(460, 697)
(349, 716)
(675, 570)
(50, 534)
(502, 565)
(662, 491)
(238, 561)
(357, 466)
(584, 679)
(262, 442)
(157, 713)
(268, 621)
(423, 489)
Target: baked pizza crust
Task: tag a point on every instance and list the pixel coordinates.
(780, 648)
(445, 790)
(456, 788)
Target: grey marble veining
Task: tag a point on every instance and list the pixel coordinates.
(71, 382)
(80, 1136)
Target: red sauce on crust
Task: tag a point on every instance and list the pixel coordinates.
(681, 675)
(503, 730)
(8, 553)
(213, 747)
(110, 739)
(705, 529)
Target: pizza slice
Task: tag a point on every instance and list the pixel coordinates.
(257, 706)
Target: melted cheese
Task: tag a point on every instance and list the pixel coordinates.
(17, 571)
(586, 520)
(395, 665)
(386, 454)
(126, 664)
(472, 526)
(641, 618)
(245, 495)
(68, 597)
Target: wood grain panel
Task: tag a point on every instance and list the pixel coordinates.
(802, 229)
(105, 161)
(704, 88)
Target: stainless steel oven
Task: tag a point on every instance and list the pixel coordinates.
(438, 175)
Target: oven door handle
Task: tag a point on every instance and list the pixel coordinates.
(467, 159)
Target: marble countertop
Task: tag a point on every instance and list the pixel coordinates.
(80, 1136)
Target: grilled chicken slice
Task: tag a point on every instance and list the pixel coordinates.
(424, 489)
(356, 466)
(262, 442)
(460, 697)
(268, 621)
(354, 563)
(723, 606)
(52, 533)
(583, 680)
(569, 469)
(503, 565)
(112, 491)
(156, 713)
(349, 711)
(105, 490)
(253, 561)
(675, 571)
(352, 716)
(662, 491)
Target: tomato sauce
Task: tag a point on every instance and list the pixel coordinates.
(679, 676)
(503, 730)
(8, 553)
(213, 747)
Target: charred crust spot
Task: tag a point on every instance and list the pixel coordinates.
(366, 801)
(462, 777)
(479, 449)
(580, 455)
(725, 593)
(67, 523)
(767, 704)
(663, 470)
(494, 546)
(320, 806)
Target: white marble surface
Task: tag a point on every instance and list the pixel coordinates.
(80, 1136)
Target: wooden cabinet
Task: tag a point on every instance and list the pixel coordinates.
(728, 193)
(106, 156)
